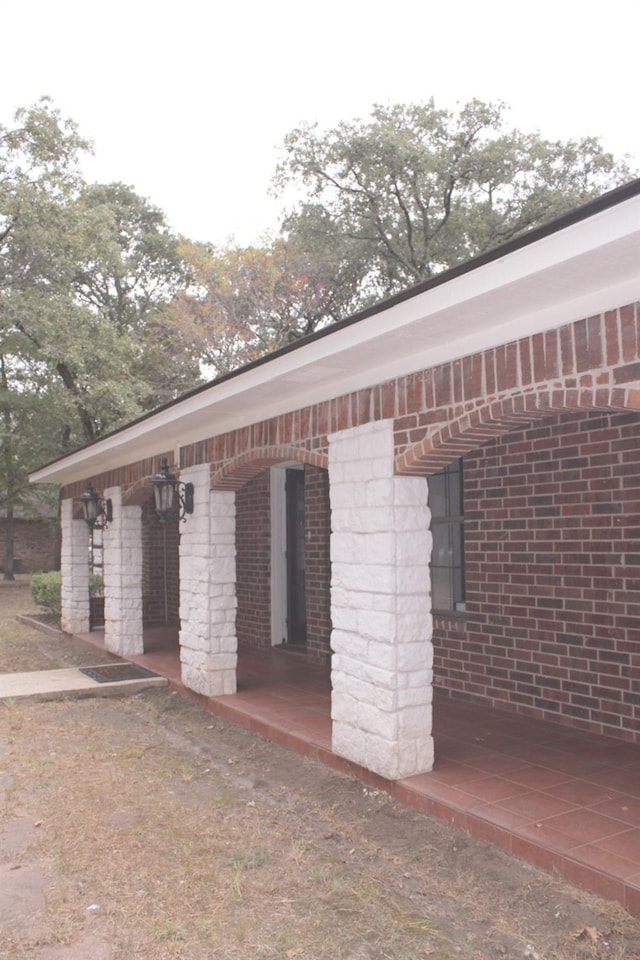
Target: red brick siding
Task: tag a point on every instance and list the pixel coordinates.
(449, 410)
(550, 597)
(253, 562)
(552, 549)
(34, 544)
(253, 541)
(157, 538)
(317, 562)
(439, 413)
(131, 477)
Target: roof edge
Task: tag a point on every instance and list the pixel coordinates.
(606, 201)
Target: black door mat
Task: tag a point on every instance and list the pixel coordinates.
(115, 672)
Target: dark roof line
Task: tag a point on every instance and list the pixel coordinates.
(604, 202)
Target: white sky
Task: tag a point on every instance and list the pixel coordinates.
(189, 102)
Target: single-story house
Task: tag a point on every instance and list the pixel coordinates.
(441, 490)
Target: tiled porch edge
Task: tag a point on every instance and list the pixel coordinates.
(483, 777)
(428, 797)
(538, 854)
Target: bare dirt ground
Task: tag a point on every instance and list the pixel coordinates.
(148, 828)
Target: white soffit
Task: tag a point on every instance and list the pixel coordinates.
(581, 270)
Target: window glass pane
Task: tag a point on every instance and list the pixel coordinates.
(456, 544)
(458, 589)
(437, 495)
(441, 596)
(441, 552)
(447, 556)
(454, 484)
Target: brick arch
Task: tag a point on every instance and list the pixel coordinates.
(234, 474)
(141, 490)
(473, 428)
(138, 493)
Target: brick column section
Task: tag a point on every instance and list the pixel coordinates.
(208, 640)
(74, 564)
(122, 540)
(380, 607)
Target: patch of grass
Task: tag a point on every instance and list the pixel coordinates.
(23, 647)
(187, 858)
(248, 860)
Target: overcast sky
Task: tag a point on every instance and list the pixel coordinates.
(189, 102)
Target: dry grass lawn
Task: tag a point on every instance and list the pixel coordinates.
(147, 828)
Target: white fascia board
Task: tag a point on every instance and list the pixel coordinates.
(588, 267)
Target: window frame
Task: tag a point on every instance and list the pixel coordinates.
(449, 515)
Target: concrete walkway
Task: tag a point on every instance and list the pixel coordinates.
(71, 682)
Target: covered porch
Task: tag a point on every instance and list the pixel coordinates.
(564, 800)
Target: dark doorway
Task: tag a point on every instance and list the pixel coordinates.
(296, 600)
(96, 580)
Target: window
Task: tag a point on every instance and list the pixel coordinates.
(447, 529)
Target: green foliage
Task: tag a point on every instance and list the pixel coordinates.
(415, 189)
(45, 590)
(244, 302)
(105, 313)
(86, 275)
(130, 270)
(385, 203)
(96, 585)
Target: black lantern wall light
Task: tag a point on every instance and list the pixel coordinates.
(97, 511)
(167, 488)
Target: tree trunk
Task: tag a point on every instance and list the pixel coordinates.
(8, 546)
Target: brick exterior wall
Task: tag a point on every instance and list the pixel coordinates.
(317, 562)
(570, 640)
(552, 550)
(35, 544)
(438, 414)
(446, 411)
(156, 539)
(253, 562)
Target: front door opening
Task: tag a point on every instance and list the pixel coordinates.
(288, 574)
(296, 600)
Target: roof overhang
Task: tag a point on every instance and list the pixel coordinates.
(550, 277)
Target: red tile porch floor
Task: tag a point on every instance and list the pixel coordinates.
(565, 801)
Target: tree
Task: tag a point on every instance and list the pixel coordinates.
(415, 189)
(86, 274)
(38, 178)
(129, 270)
(244, 302)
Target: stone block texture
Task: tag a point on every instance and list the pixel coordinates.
(123, 605)
(381, 639)
(551, 621)
(208, 640)
(74, 567)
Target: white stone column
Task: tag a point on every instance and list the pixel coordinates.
(122, 539)
(380, 607)
(74, 565)
(208, 641)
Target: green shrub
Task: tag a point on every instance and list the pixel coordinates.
(96, 584)
(45, 590)
(46, 587)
